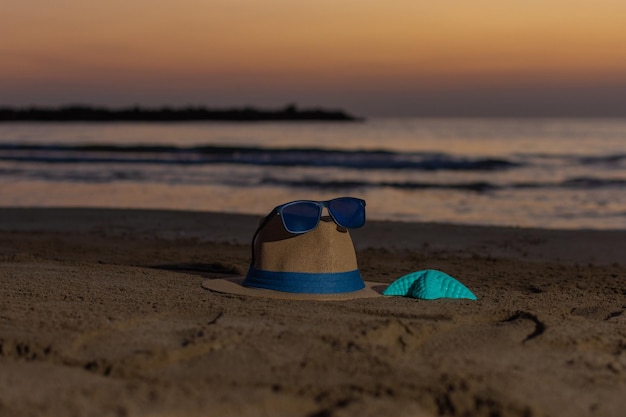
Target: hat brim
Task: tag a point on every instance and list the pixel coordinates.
(234, 286)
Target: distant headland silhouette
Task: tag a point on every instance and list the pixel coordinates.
(85, 113)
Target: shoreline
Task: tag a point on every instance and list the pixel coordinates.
(102, 313)
(560, 245)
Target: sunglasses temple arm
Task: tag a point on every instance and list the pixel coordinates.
(265, 221)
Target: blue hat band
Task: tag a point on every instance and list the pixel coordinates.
(305, 282)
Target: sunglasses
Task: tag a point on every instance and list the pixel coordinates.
(302, 216)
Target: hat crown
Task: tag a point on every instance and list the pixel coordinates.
(326, 249)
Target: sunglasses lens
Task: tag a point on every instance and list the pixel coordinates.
(348, 212)
(301, 217)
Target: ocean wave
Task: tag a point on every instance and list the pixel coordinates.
(296, 179)
(590, 182)
(301, 157)
(608, 159)
(474, 186)
(477, 186)
(603, 159)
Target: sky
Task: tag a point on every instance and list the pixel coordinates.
(370, 57)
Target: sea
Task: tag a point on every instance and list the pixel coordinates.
(548, 173)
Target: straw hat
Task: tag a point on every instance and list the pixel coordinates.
(317, 265)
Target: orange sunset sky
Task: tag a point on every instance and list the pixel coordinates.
(370, 57)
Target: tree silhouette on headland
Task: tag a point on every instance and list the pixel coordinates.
(82, 113)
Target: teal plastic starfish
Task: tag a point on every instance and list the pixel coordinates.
(428, 284)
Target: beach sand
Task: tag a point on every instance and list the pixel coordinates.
(102, 313)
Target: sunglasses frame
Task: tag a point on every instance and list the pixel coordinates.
(321, 205)
(325, 203)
